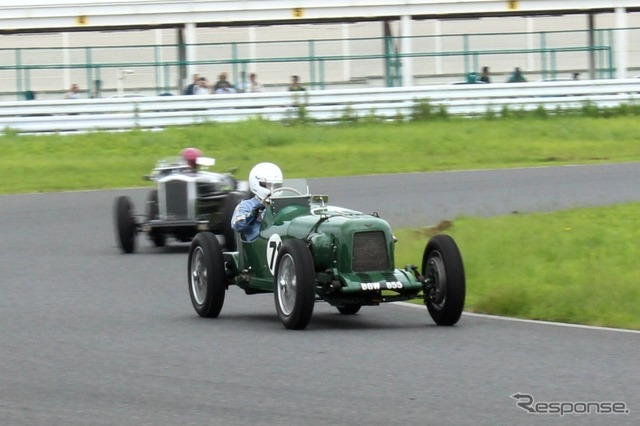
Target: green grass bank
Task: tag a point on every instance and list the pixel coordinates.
(576, 266)
(113, 160)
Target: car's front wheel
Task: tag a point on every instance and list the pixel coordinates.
(294, 284)
(443, 268)
(125, 224)
(207, 279)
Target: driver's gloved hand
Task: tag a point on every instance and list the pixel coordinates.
(255, 213)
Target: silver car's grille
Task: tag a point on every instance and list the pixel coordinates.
(370, 252)
(176, 196)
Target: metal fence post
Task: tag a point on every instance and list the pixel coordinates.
(89, 70)
(18, 54)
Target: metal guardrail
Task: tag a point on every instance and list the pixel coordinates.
(157, 112)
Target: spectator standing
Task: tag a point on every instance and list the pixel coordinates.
(224, 88)
(201, 88)
(295, 85)
(73, 93)
(191, 89)
(516, 76)
(250, 86)
(253, 85)
(222, 80)
(484, 75)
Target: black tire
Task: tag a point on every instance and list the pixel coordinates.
(157, 238)
(230, 203)
(442, 265)
(125, 224)
(349, 309)
(294, 285)
(206, 275)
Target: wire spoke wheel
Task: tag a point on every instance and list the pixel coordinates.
(294, 283)
(198, 276)
(206, 275)
(287, 285)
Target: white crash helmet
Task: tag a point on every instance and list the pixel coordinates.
(263, 178)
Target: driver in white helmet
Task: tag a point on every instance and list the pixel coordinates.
(263, 178)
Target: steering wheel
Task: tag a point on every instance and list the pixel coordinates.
(285, 190)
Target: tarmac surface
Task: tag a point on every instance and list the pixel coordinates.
(90, 336)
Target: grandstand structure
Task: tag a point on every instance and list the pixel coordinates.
(158, 44)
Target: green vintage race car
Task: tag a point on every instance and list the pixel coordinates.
(308, 251)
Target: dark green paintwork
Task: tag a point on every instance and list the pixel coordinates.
(329, 232)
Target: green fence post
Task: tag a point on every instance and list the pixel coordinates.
(234, 62)
(167, 77)
(321, 72)
(476, 62)
(27, 80)
(157, 67)
(19, 73)
(465, 49)
(397, 65)
(97, 84)
(599, 54)
(388, 44)
(312, 64)
(612, 64)
(543, 55)
(89, 67)
(242, 81)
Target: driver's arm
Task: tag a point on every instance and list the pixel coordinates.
(246, 215)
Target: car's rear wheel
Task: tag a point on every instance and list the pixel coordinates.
(125, 224)
(207, 279)
(158, 238)
(349, 309)
(442, 266)
(294, 284)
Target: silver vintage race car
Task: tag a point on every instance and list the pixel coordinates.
(187, 199)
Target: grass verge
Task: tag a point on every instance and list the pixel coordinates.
(575, 266)
(113, 160)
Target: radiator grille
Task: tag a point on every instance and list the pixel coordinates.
(370, 252)
(176, 192)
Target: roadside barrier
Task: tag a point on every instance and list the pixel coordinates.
(157, 112)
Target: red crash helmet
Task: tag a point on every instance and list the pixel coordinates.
(190, 155)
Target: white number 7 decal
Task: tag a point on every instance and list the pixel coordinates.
(273, 247)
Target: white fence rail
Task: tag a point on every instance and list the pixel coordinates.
(83, 115)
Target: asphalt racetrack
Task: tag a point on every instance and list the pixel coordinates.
(90, 336)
